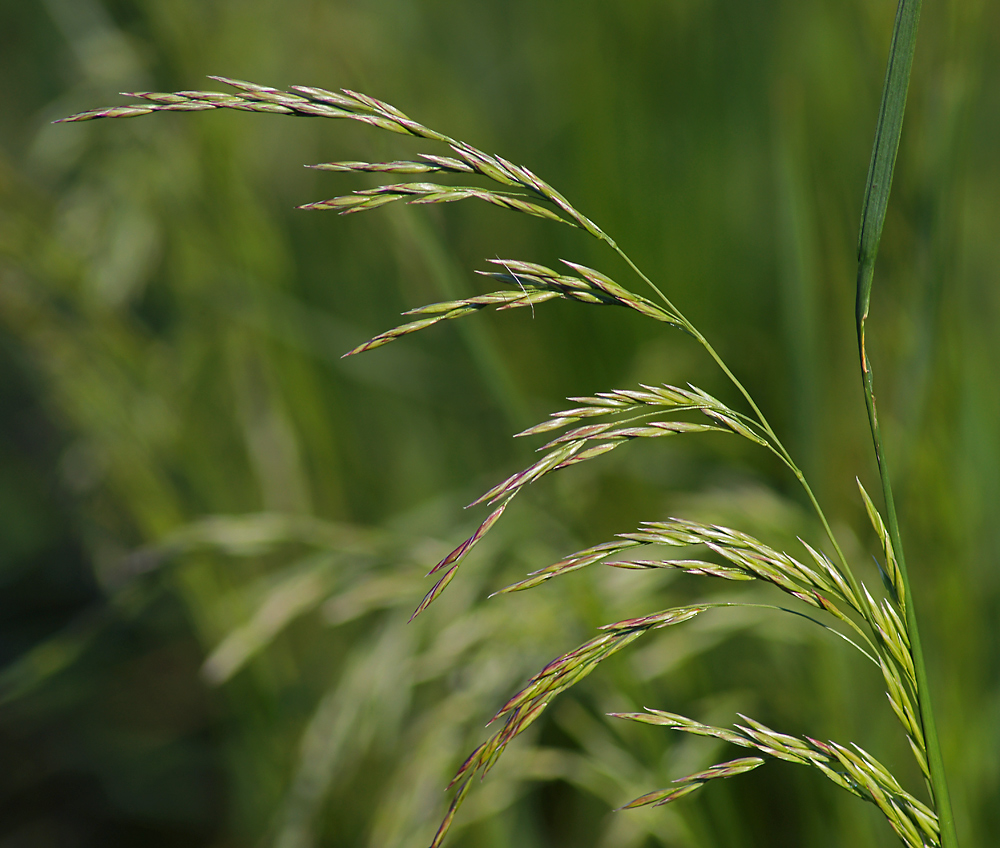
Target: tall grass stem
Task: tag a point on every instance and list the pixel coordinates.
(880, 171)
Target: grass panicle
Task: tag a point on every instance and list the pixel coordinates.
(601, 423)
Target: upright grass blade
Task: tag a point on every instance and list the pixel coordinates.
(887, 133)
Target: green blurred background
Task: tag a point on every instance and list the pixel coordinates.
(214, 529)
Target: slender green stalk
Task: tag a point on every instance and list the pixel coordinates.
(777, 446)
(887, 133)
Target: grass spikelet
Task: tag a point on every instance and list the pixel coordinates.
(436, 590)
(691, 782)
(454, 559)
(430, 164)
(590, 287)
(371, 198)
(832, 573)
(574, 562)
(688, 566)
(663, 796)
(891, 576)
(449, 310)
(445, 825)
(535, 283)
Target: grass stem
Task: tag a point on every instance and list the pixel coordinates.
(887, 134)
(779, 448)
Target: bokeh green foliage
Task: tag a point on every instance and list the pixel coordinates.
(214, 528)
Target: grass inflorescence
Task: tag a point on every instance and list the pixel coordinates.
(884, 631)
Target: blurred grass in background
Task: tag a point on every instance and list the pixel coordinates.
(213, 529)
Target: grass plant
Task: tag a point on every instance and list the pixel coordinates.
(821, 584)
